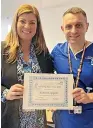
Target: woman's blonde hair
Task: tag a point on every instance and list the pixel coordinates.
(12, 40)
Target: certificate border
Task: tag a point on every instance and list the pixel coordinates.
(64, 104)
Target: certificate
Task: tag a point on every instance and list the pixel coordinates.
(48, 91)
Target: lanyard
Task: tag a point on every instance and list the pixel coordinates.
(80, 65)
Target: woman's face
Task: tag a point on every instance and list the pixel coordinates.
(26, 26)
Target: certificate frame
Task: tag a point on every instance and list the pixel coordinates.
(42, 91)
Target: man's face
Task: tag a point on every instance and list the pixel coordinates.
(74, 27)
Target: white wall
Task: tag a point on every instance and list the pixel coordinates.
(4, 27)
(51, 12)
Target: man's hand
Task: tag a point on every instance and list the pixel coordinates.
(80, 96)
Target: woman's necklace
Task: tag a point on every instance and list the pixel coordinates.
(76, 109)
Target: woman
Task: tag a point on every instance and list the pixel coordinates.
(24, 50)
(75, 56)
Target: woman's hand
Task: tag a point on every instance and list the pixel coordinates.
(80, 96)
(15, 92)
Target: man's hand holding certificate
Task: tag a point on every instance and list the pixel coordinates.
(47, 91)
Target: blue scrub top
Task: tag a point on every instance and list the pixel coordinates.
(63, 119)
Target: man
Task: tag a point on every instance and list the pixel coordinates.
(75, 56)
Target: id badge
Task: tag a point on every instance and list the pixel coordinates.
(77, 109)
